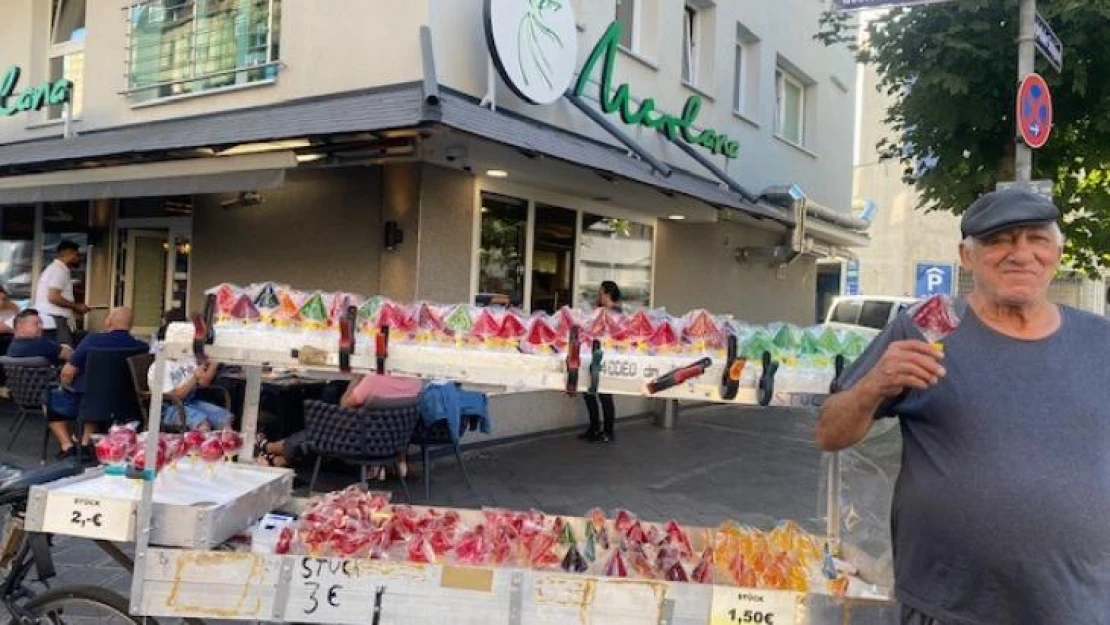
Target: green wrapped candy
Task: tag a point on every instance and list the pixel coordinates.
(787, 337)
(758, 342)
(458, 320)
(370, 309)
(314, 309)
(566, 537)
(810, 344)
(829, 341)
(853, 346)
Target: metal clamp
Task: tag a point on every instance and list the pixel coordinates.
(516, 598)
(767, 380)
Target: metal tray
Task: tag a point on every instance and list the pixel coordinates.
(194, 507)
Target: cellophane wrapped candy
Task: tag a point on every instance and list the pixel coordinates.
(935, 318)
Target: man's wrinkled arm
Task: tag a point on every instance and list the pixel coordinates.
(847, 416)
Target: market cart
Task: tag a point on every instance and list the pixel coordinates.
(181, 570)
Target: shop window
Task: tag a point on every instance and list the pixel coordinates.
(17, 250)
(553, 257)
(502, 251)
(179, 47)
(617, 250)
(67, 51)
(792, 99)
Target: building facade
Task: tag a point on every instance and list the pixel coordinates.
(383, 147)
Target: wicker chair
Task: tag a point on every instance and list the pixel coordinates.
(375, 433)
(28, 381)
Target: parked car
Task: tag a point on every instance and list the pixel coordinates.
(866, 311)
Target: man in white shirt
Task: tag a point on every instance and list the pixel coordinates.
(54, 295)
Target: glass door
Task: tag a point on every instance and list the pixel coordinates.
(145, 278)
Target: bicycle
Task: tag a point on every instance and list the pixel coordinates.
(23, 552)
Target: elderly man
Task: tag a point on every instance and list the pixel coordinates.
(1001, 513)
(66, 401)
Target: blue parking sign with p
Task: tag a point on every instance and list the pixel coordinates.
(933, 279)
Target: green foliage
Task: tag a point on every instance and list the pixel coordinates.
(951, 71)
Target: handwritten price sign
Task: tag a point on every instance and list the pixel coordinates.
(89, 517)
(330, 590)
(739, 606)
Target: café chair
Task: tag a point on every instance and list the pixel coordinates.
(373, 434)
(28, 381)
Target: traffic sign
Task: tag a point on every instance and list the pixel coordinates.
(859, 5)
(1040, 187)
(1048, 43)
(933, 279)
(1034, 111)
(851, 278)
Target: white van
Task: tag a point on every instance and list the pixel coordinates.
(867, 311)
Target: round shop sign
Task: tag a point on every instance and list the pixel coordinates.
(534, 45)
(1034, 111)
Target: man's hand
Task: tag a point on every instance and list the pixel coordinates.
(65, 353)
(80, 309)
(847, 416)
(905, 364)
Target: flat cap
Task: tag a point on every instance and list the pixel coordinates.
(999, 210)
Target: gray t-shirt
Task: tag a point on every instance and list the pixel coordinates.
(1001, 512)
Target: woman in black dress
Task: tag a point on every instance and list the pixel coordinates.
(609, 298)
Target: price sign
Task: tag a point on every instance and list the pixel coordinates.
(89, 517)
(329, 590)
(741, 606)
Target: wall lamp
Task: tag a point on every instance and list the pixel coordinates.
(393, 235)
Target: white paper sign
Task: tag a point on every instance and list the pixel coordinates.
(330, 590)
(100, 518)
(743, 606)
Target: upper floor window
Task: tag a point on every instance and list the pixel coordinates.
(627, 16)
(178, 47)
(690, 45)
(67, 51)
(745, 96)
(790, 115)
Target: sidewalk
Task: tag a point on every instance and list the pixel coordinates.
(756, 466)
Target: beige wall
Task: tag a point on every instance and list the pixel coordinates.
(401, 203)
(446, 224)
(696, 267)
(357, 44)
(319, 231)
(336, 49)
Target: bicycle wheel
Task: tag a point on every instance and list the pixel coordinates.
(72, 605)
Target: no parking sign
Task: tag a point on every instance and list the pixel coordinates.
(1034, 111)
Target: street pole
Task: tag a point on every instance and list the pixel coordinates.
(1023, 156)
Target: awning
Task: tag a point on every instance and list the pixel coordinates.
(219, 174)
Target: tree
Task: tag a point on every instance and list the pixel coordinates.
(951, 71)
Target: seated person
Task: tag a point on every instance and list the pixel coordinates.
(30, 343)
(66, 401)
(181, 380)
(359, 393)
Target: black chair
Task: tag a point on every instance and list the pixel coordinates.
(438, 435)
(28, 381)
(375, 433)
(109, 395)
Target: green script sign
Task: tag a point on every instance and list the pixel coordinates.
(646, 115)
(31, 98)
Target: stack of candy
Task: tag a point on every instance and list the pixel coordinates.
(357, 524)
(123, 447)
(278, 311)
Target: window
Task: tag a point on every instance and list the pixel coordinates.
(617, 250)
(846, 311)
(790, 98)
(690, 47)
(180, 47)
(553, 258)
(501, 256)
(17, 249)
(626, 15)
(875, 314)
(67, 51)
(745, 93)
